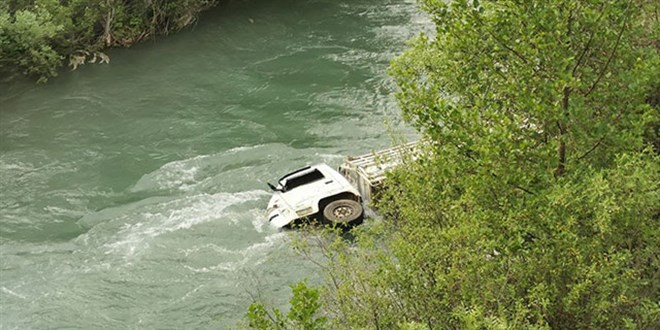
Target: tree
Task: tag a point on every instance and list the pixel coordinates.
(536, 203)
(538, 84)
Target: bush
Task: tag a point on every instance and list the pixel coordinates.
(303, 314)
(25, 42)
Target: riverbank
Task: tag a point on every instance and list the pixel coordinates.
(37, 38)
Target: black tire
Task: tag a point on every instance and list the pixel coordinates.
(343, 212)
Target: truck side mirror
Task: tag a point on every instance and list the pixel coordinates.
(271, 186)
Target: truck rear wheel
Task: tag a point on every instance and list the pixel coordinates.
(343, 212)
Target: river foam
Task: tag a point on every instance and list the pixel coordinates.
(135, 229)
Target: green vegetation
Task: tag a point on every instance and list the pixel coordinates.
(37, 36)
(303, 314)
(536, 203)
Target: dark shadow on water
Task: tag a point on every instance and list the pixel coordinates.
(52, 232)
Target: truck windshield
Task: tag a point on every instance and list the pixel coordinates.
(304, 179)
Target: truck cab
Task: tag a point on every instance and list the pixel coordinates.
(315, 192)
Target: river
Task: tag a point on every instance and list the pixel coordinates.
(133, 193)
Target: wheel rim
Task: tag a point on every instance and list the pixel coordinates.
(342, 212)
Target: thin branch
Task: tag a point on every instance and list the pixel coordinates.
(520, 56)
(592, 148)
(499, 41)
(521, 188)
(588, 45)
(616, 120)
(609, 59)
(515, 185)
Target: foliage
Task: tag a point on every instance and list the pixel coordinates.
(581, 254)
(25, 40)
(541, 86)
(302, 315)
(536, 203)
(37, 35)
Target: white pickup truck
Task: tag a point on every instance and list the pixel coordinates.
(328, 196)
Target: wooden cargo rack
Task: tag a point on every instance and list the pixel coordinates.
(367, 172)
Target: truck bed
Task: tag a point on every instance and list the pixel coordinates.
(366, 172)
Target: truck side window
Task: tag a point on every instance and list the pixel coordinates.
(303, 180)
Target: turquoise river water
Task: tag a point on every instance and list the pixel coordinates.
(132, 194)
